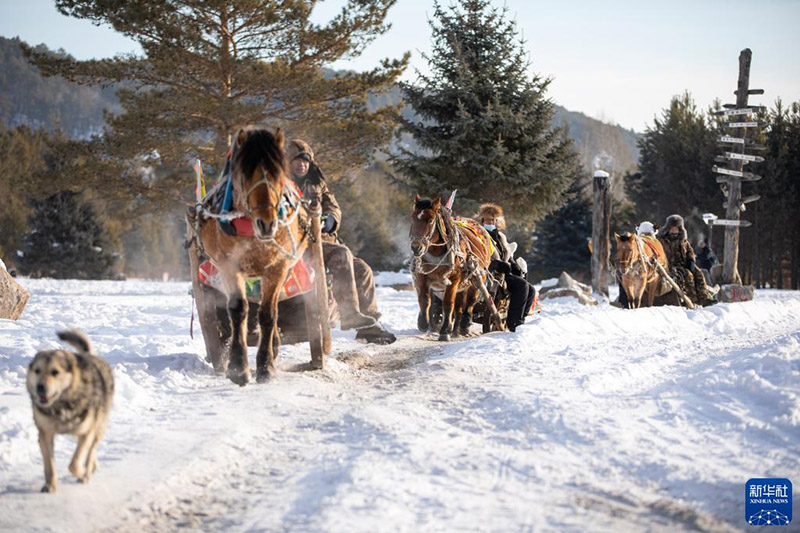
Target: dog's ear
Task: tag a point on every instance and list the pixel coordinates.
(279, 137)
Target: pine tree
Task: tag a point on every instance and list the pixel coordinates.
(212, 66)
(483, 122)
(676, 156)
(66, 240)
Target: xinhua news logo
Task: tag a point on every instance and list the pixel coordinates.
(768, 501)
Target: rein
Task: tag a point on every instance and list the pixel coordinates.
(640, 262)
(288, 200)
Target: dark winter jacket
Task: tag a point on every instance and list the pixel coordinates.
(706, 258)
(505, 263)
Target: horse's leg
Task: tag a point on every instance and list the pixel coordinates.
(424, 299)
(237, 309)
(470, 299)
(626, 286)
(448, 303)
(642, 285)
(458, 307)
(652, 287)
(268, 319)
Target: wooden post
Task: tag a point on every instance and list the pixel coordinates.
(601, 232)
(730, 265)
(317, 312)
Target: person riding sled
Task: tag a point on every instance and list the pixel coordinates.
(353, 281)
(522, 293)
(682, 261)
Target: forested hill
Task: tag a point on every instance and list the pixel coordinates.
(28, 98)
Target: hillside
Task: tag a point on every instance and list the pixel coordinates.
(28, 98)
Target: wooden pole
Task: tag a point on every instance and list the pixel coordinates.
(317, 307)
(730, 265)
(601, 231)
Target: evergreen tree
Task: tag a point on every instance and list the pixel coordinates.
(562, 240)
(66, 240)
(676, 156)
(485, 124)
(212, 66)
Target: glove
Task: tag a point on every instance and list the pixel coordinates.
(500, 266)
(328, 224)
(514, 267)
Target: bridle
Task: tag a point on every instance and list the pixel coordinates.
(271, 186)
(425, 241)
(285, 196)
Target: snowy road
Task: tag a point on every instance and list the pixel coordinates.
(586, 419)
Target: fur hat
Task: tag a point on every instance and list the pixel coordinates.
(674, 221)
(492, 211)
(296, 148)
(645, 228)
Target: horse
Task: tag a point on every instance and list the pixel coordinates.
(263, 193)
(449, 257)
(636, 257)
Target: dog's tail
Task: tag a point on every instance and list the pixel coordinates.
(78, 339)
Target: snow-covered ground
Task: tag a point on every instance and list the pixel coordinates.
(585, 419)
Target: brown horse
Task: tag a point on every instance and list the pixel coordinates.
(449, 257)
(259, 173)
(636, 256)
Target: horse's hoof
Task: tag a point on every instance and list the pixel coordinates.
(444, 337)
(262, 376)
(422, 326)
(240, 377)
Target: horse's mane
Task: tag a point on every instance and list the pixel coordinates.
(261, 149)
(424, 203)
(625, 237)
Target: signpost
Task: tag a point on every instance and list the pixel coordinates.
(724, 222)
(744, 157)
(733, 175)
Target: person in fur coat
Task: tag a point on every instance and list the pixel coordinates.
(682, 261)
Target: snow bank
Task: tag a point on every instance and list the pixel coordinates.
(585, 419)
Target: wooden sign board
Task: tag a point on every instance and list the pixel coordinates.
(744, 124)
(751, 91)
(744, 157)
(748, 176)
(725, 222)
(730, 139)
(751, 110)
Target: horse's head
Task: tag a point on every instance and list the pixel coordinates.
(259, 176)
(627, 251)
(423, 223)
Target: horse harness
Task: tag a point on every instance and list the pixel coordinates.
(290, 200)
(448, 259)
(641, 264)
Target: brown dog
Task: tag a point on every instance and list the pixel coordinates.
(71, 393)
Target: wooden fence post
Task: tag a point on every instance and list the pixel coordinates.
(601, 231)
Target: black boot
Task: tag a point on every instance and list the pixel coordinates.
(376, 335)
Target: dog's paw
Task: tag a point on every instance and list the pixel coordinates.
(48, 488)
